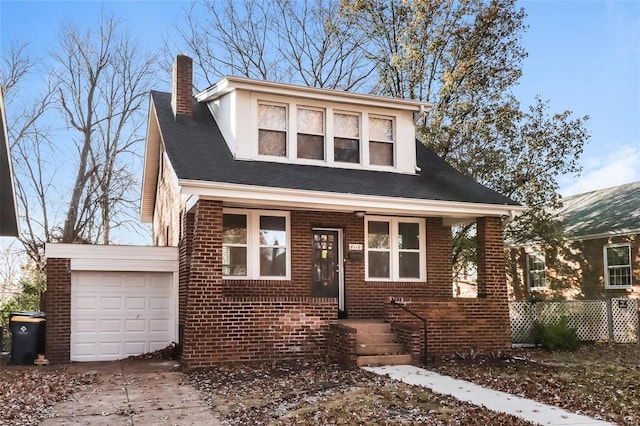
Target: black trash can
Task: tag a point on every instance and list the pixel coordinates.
(27, 336)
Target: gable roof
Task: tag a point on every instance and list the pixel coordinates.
(198, 153)
(8, 210)
(609, 211)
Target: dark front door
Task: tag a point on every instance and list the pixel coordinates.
(325, 266)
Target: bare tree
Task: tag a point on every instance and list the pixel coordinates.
(102, 79)
(298, 42)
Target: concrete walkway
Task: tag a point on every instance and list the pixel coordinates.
(462, 390)
(133, 393)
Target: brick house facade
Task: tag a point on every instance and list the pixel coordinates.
(297, 212)
(600, 258)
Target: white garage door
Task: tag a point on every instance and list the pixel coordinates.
(118, 314)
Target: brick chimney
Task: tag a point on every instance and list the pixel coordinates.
(182, 89)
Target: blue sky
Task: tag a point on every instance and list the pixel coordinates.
(583, 56)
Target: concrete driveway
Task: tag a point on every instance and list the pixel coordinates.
(141, 392)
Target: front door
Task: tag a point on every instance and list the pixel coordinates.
(326, 267)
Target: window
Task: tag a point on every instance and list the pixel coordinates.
(381, 141)
(272, 130)
(536, 266)
(346, 140)
(617, 266)
(395, 249)
(310, 133)
(255, 244)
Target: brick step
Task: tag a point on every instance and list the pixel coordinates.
(366, 338)
(379, 349)
(384, 360)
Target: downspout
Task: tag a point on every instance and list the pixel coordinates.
(510, 218)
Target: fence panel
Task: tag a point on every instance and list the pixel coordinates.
(594, 320)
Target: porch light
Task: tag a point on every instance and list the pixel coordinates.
(359, 213)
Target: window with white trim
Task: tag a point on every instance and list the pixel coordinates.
(255, 244)
(395, 249)
(272, 130)
(536, 270)
(333, 136)
(617, 266)
(310, 127)
(346, 138)
(381, 144)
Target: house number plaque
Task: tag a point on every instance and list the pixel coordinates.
(355, 247)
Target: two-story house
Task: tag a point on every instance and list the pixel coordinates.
(301, 213)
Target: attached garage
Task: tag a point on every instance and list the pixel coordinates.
(122, 300)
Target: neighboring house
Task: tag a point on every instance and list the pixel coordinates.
(297, 211)
(601, 256)
(8, 209)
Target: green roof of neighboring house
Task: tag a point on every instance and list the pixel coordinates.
(614, 210)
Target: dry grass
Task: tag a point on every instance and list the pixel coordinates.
(599, 380)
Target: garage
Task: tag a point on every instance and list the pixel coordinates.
(118, 314)
(107, 303)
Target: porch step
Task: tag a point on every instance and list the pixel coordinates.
(366, 338)
(377, 344)
(379, 348)
(403, 359)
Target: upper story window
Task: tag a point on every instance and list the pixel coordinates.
(395, 249)
(272, 130)
(326, 135)
(381, 141)
(617, 266)
(536, 267)
(310, 126)
(346, 138)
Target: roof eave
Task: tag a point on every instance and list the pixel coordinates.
(238, 194)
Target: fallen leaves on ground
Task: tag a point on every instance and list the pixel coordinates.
(28, 393)
(311, 392)
(599, 380)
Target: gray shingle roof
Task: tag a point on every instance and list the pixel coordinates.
(611, 210)
(197, 151)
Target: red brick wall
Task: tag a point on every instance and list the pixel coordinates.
(439, 259)
(575, 271)
(182, 89)
(458, 325)
(342, 344)
(58, 310)
(491, 261)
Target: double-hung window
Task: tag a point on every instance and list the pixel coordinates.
(381, 141)
(255, 244)
(310, 125)
(395, 249)
(346, 138)
(272, 130)
(536, 266)
(617, 266)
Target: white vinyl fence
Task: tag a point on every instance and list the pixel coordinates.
(613, 320)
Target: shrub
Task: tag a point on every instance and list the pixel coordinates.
(556, 336)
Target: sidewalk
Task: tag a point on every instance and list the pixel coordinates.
(462, 390)
(134, 393)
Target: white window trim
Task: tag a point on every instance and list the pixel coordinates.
(606, 266)
(294, 150)
(253, 244)
(527, 272)
(394, 142)
(287, 129)
(292, 135)
(394, 266)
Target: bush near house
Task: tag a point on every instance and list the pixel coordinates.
(556, 336)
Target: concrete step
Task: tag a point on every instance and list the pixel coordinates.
(384, 360)
(365, 338)
(371, 327)
(379, 349)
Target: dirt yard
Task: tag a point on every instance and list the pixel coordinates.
(601, 381)
(598, 380)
